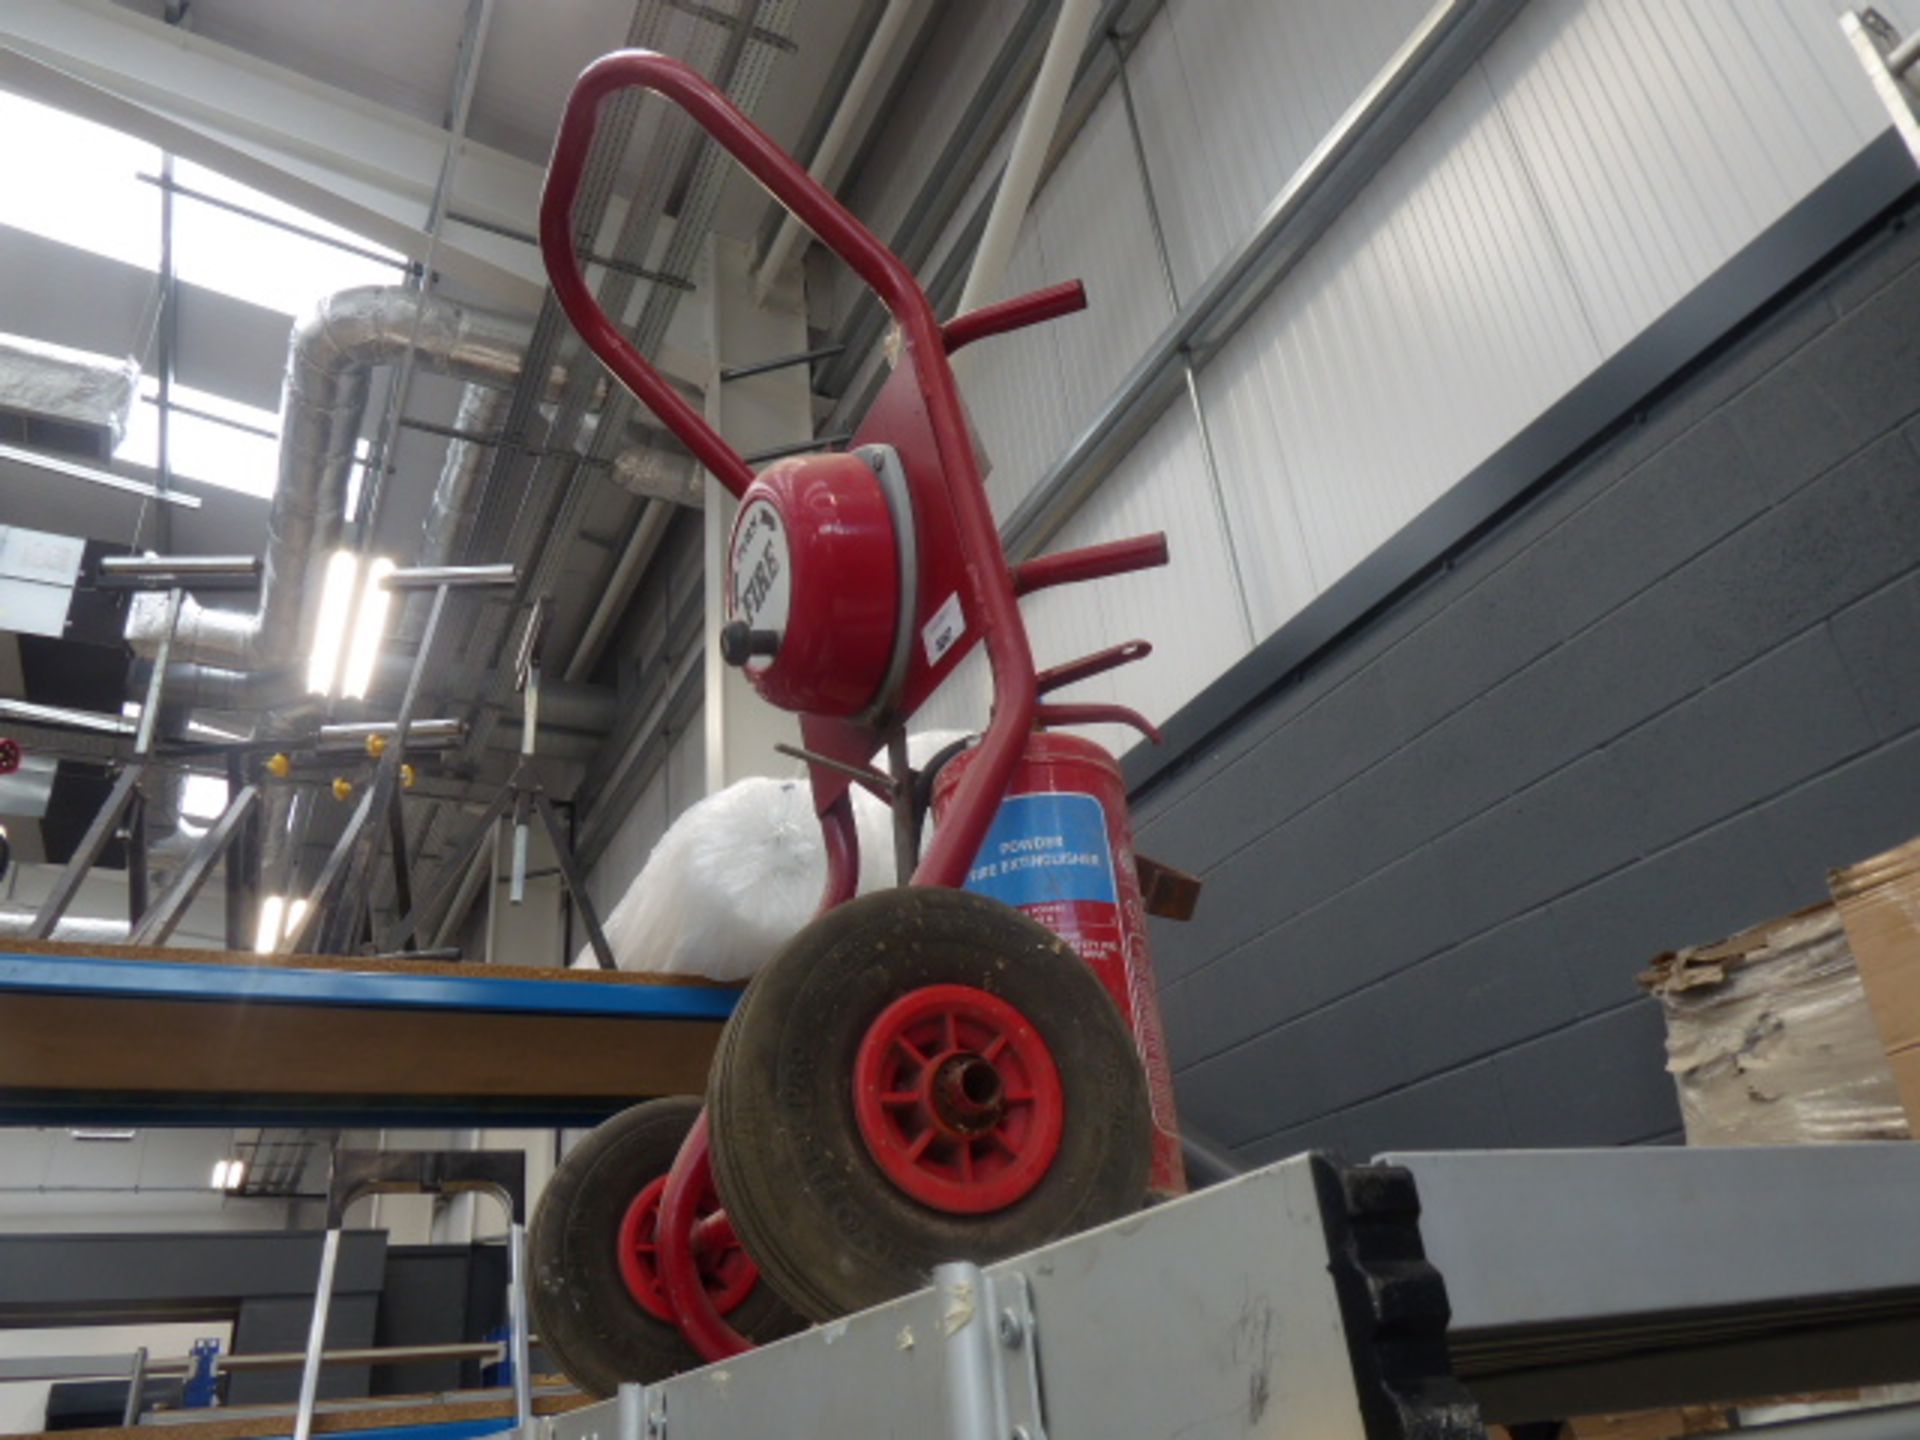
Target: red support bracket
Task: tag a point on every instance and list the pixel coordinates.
(1057, 715)
(1095, 562)
(1015, 314)
(1087, 666)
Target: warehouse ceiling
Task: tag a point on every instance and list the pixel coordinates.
(231, 348)
(401, 55)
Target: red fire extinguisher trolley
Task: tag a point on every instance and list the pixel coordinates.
(960, 1068)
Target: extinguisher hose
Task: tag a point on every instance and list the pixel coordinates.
(924, 778)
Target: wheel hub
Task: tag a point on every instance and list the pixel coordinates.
(958, 1099)
(965, 1094)
(725, 1269)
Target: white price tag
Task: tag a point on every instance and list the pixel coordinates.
(948, 624)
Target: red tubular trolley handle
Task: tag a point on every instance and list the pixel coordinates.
(924, 349)
(1087, 666)
(777, 171)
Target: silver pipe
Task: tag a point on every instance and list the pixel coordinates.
(639, 551)
(517, 1326)
(1903, 56)
(421, 734)
(213, 687)
(658, 472)
(457, 577)
(136, 1390)
(317, 1335)
(62, 715)
(163, 569)
(466, 74)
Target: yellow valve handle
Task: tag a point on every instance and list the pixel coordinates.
(342, 787)
(280, 766)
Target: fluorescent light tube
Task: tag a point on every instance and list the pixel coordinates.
(330, 631)
(369, 628)
(266, 935)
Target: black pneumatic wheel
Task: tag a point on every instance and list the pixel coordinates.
(597, 1304)
(921, 1076)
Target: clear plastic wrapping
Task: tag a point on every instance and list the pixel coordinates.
(1770, 1040)
(738, 873)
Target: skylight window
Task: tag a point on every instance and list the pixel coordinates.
(202, 449)
(273, 268)
(77, 183)
(81, 184)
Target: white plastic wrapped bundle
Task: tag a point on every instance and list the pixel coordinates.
(1770, 1041)
(739, 873)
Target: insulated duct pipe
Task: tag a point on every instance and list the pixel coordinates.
(239, 661)
(323, 405)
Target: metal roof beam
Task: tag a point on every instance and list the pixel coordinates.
(336, 155)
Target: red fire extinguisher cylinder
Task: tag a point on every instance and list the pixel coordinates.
(1061, 849)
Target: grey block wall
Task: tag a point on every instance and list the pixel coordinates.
(1654, 705)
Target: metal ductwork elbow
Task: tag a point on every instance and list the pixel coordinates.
(330, 360)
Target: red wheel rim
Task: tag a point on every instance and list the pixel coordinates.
(726, 1273)
(958, 1099)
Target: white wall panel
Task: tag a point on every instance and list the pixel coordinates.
(678, 782)
(961, 702)
(1187, 609)
(1263, 83)
(627, 851)
(1238, 390)
(686, 767)
(1602, 160)
(1431, 323)
(1022, 425)
(1094, 227)
(1662, 135)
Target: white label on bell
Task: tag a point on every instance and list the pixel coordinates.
(948, 624)
(761, 573)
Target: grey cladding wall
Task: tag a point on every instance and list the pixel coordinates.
(1652, 706)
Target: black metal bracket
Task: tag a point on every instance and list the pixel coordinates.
(1394, 1305)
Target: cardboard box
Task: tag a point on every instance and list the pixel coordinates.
(1879, 902)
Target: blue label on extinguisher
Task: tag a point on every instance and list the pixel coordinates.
(1045, 848)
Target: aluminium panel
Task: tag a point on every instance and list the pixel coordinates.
(1094, 227)
(1550, 1237)
(1211, 1318)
